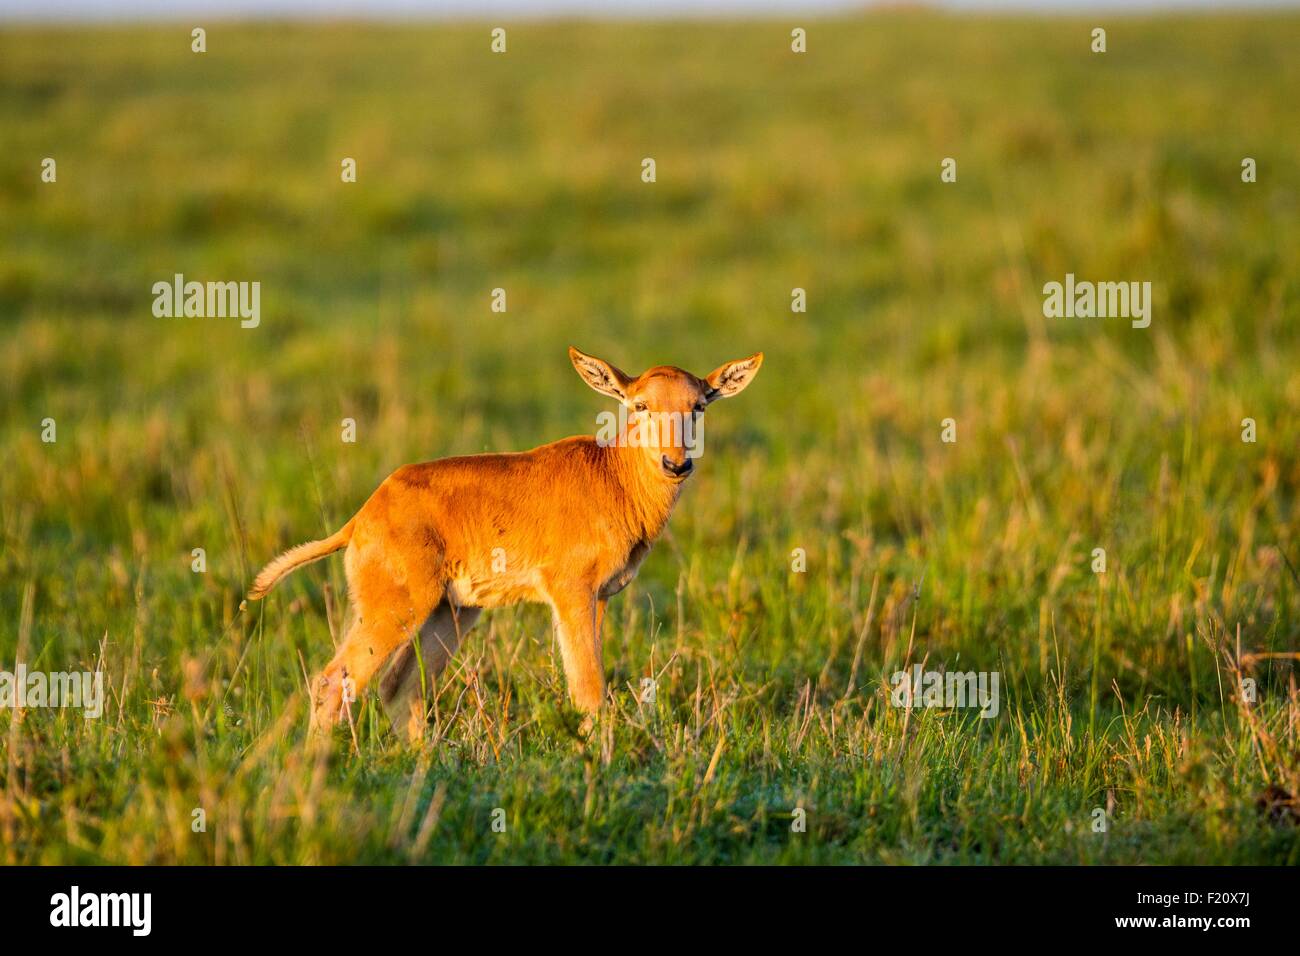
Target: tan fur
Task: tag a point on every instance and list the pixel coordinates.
(572, 521)
(296, 557)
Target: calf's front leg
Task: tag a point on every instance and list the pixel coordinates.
(577, 627)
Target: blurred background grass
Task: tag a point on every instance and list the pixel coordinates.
(775, 171)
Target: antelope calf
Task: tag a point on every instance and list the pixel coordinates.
(567, 524)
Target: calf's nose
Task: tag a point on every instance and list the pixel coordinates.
(678, 470)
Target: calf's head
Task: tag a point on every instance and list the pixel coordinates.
(665, 406)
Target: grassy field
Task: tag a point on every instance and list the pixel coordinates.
(1119, 690)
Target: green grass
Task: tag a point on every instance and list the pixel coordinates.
(774, 171)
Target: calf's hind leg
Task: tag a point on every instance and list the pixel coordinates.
(386, 614)
(401, 688)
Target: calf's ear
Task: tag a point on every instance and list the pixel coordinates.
(733, 377)
(600, 375)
